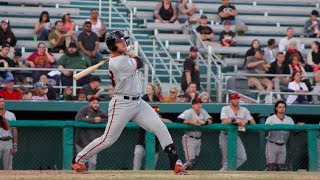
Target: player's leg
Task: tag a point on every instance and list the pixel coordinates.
(241, 152)
(139, 153)
(189, 145)
(92, 162)
(281, 159)
(149, 120)
(6, 155)
(271, 156)
(223, 143)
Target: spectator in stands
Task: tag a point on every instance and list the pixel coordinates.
(165, 12)
(67, 23)
(9, 93)
(150, 94)
(90, 114)
(312, 25)
(227, 36)
(5, 61)
(278, 67)
(41, 59)
(51, 93)
(159, 91)
(92, 89)
(19, 75)
(284, 42)
(227, 12)
(313, 58)
(255, 45)
(98, 25)
(295, 65)
(257, 65)
(206, 33)
(38, 93)
(24, 91)
(299, 87)
(67, 94)
(191, 92)
(88, 42)
(81, 96)
(204, 96)
(269, 51)
(182, 98)
(43, 27)
(190, 70)
(184, 12)
(110, 93)
(173, 95)
(316, 89)
(73, 59)
(6, 35)
(59, 39)
(292, 49)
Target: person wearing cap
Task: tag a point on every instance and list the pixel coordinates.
(257, 65)
(312, 25)
(191, 140)
(239, 116)
(19, 75)
(98, 25)
(38, 93)
(88, 42)
(92, 113)
(227, 11)
(92, 89)
(9, 93)
(73, 59)
(190, 70)
(60, 39)
(205, 31)
(43, 27)
(227, 36)
(5, 61)
(6, 35)
(67, 23)
(184, 12)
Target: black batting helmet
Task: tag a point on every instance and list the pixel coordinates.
(113, 38)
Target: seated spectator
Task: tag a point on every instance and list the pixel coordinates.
(204, 96)
(81, 96)
(6, 35)
(227, 12)
(43, 27)
(191, 92)
(313, 58)
(284, 42)
(190, 70)
(110, 93)
(316, 88)
(150, 95)
(9, 93)
(173, 95)
(41, 59)
(51, 93)
(158, 92)
(227, 36)
(59, 39)
(19, 75)
(5, 61)
(67, 23)
(269, 51)
(255, 45)
(67, 94)
(182, 98)
(312, 25)
(73, 59)
(38, 93)
(299, 87)
(257, 65)
(165, 12)
(92, 89)
(185, 12)
(88, 42)
(278, 67)
(24, 91)
(292, 49)
(206, 33)
(98, 25)
(295, 65)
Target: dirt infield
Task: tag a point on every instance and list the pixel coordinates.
(156, 175)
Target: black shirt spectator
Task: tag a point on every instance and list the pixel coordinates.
(204, 30)
(190, 69)
(6, 34)
(226, 8)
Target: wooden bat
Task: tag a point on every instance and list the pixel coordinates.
(89, 70)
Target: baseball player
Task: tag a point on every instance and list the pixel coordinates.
(126, 105)
(276, 140)
(240, 116)
(191, 140)
(8, 136)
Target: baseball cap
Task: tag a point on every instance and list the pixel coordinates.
(8, 79)
(94, 98)
(66, 13)
(193, 48)
(182, 95)
(17, 54)
(5, 20)
(261, 51)
(40, 85)
(203, 16)
(5, 45)
(227, 22)
(234, 96)
(72, 45)
(196, 100)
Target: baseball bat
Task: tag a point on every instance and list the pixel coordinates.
(89, 70)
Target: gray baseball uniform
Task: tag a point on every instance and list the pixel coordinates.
(124, 106)
(6, 143)
(191, 140)
(276, 141)
(228, 113)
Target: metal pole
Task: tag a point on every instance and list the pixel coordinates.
(110, 12)
(74, 85)
(131, 21)
(136, 47)
(146, 74)
(209, 70)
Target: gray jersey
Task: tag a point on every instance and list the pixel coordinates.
(228, 113)
(123, 76)
(191, 115)
(278, 136)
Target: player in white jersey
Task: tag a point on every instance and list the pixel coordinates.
(126, 105)
(234, 114)
(276, 141)
(191, 140)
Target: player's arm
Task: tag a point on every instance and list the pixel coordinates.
(104, 116)
(4, 123)
(82, 116)
(139, 62)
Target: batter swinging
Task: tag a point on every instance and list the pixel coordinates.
(126, 105)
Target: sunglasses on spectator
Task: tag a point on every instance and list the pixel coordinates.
(173, 92)
(88, 26)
